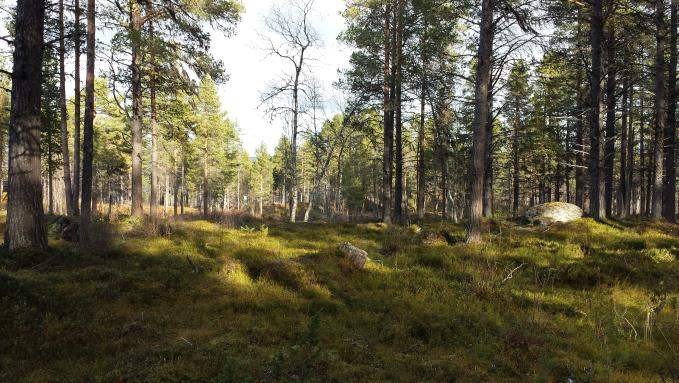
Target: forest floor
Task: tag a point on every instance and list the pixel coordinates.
(588, 301)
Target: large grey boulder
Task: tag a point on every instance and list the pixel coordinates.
(357, 256)
(551, 212)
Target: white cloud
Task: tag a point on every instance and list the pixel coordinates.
(250, 70)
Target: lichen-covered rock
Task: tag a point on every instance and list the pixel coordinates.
(551, 212)
(357, 256)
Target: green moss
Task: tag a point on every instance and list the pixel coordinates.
(278, 303)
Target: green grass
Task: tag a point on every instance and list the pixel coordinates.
(208, 304)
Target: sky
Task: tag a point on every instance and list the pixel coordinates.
(250, 70)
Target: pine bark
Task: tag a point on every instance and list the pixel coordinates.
(623, 203)
(596, 210)
(68, 191)
(88, 128)
(388, 119)
(136, 22)
(76, 111)
(153, 197)
(670, 189)
(516, 176)
(609, 144)
(398, 116)
(660, 110)
(25, 227)
(481, 117)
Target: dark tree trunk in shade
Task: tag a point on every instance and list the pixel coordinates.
(516, 176)
(579, 142)
(643, 210)
(623, 200)
(76, 110)
(609, 144)
(421, 181)
(388, 119)
(65, 155)
(660, 110)
(88, 128)
(481, 117)
(488, 172)
(629, 178)
(670, 189)
(25, 227)
(596, 210)
(398, 117)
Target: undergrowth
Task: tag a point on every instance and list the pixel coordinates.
(266, 301)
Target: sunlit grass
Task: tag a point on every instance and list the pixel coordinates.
(279, 303)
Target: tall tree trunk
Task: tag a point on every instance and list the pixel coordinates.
(50, 173)
(88, 129)
(398, 192)
(206, 193)
(136, 23)
(76, 111)
(25, 227)
(670, 190)
(642, 159)
(421, 180)
(175, 203)
(2, 160)
(388, 118)
(660, 110)
(516, 176)
(629, 178)
(488, 172)
(153, 197)
(183, 186)
(64, 116)
(481, 117)
(580, 142)
(609, 145)
(623, 203)
(595, 194)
